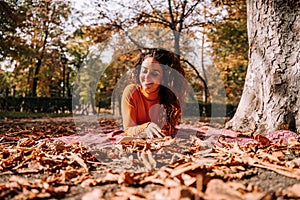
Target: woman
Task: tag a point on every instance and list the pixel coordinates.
(152, 106)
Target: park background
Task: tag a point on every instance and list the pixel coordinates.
(52, 51)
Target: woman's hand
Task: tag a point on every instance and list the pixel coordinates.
(153, 130)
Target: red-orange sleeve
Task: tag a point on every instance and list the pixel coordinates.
(130, 101)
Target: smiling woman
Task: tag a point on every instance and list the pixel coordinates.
(152, 106)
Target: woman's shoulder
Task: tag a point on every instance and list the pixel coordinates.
(131, 88)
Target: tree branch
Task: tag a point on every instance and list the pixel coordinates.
(130, 38)
(171, 15)
(191, 9)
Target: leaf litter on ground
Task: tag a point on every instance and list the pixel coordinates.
(48, 158)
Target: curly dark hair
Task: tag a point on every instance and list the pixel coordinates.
(172, 92)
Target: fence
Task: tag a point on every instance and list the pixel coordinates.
(210, 109)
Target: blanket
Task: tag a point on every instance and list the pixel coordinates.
(107, 135)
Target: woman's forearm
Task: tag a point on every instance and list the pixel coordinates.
(136, 131)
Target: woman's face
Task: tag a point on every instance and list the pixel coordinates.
(151, 75)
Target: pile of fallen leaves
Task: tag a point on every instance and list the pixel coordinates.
(36, 163)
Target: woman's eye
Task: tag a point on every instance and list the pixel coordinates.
(154, 74)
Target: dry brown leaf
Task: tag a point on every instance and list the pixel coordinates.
(295, 163)
(88, 182)
(158, 177)
(61, 189)
(126, 178)
(129, 193)
(192, 166)
(153, 180)
(277, 154)
(233, 172)
(79, 160)
(292, 141)
(109, 177)
(219, 190)
(96, 194)
(292, 191)
(23, 152)
(263, 140)
(147, 159)
(268, 157)
(187, 179)
(172, 183)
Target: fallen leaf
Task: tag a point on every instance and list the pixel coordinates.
(292, 191)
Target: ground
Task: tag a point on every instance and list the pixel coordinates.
(49, 158)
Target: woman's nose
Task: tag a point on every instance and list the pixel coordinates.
(148, 75)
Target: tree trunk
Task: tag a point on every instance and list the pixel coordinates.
(271, 96)
(35, 77)
(176, 42)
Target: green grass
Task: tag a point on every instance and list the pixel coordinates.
(20, 115)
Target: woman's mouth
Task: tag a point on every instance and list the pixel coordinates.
(148, 84)
(150, 87)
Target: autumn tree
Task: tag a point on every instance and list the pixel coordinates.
(11, 17)
(6, 82)
(270, 98)
(229, 44)
(34, 31)
(13, 46)
(49, 29)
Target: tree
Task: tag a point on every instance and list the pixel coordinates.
(11, 17)
(35, 38)
(85, 55)
(31, 37)
(270, 98)
(6, 82)
(48, 18)
(229, 44)
(177, 16)
(86, 81)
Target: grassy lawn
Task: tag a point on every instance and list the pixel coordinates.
(19, 115)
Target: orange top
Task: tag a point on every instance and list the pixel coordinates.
(139, 108)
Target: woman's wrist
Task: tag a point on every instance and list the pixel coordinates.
(142, 131)
(138, 130)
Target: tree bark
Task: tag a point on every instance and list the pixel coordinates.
(35, 77)
(271, 95)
